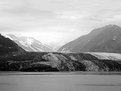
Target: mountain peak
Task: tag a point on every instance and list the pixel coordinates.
(104, 39)
(111, 25)
(29, 43)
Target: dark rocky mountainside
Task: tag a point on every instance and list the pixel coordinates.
(7, 46)
(104, 39)
(43, 62)
(29, 43)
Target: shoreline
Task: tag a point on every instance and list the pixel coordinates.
(58, 73)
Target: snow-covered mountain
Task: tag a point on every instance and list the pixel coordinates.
(29, 43)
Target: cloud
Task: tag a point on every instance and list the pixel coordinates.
(59, 19)
(70, 15)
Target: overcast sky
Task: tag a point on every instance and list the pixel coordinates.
(57, 21)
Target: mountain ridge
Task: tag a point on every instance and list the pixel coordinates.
(29, 43)
(8, 46)
(102, 39)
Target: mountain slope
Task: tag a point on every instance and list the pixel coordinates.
(8, 46)
(29, 44)
(43, 62)
(105, 39)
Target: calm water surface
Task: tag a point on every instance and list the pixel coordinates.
(58, 82)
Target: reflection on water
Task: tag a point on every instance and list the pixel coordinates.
(63, 82)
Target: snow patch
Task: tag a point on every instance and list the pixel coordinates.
(29, 41)
(108, 56)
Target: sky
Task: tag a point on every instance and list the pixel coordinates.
(57, 21)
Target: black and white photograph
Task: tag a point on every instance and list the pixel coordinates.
(60, 45)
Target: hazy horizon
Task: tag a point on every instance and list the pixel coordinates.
(57, 21)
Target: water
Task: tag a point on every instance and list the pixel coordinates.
(58, 82)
